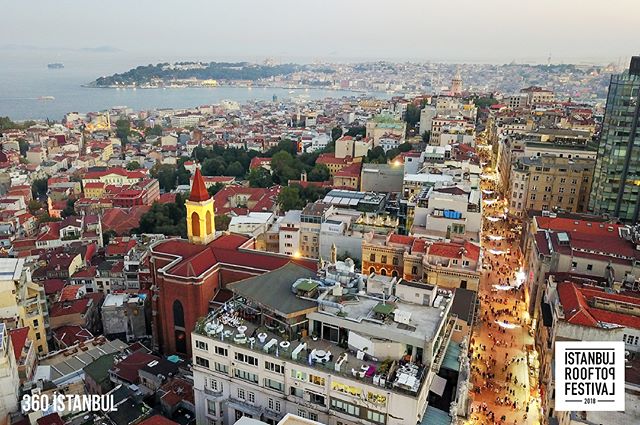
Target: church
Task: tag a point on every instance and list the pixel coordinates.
(188, 274)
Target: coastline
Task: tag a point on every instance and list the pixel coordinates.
(202, 86)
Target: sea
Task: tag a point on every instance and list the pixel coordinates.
(25, 79)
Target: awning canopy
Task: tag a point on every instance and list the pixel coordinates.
(438, 384)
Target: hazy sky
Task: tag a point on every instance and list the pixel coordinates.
(449, 30)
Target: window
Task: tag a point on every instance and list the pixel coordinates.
(560, 198)
(201, 345)
(202, 362)
(213, 384)
(561, 189)
(277, 406)
(252, 397)
(296, 392)
(274, 385)
(317, 380)
(271, 404)
(345, 407)
(178, 313)
(221, 351)
(589, 267)
(302, 413)
(465, 263)
(37, 335)
(247, 359)
(372, 257)
(35, 322)
(274, 367)
(246, 376)
(300, 376)
(219, 367)
(241, 394)
(395, 261)
(375, 416)
(211, 407)
(313, 416)
(574, 264)
(383, 259)
(316, 398)
(563, 180)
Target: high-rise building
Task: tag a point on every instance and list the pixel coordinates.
(616, 183)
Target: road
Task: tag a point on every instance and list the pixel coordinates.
(502, 349)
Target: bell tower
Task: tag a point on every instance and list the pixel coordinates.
(200, 212)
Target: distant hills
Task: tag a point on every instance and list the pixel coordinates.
(198, 70)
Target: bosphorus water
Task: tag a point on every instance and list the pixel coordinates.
(24, 82)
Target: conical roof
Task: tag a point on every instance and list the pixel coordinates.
(199, 191)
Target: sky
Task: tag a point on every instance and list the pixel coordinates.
(495, 31)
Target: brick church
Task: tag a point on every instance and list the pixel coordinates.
(187, 274)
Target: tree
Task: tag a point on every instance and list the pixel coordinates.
(357, 131)
(215, 188)
(214, 167)
(404, 147)
(34, 206)
(222, 222)
(46, 218)
(133, 165)
(69, 210)
(260, 177)
(24, 147)
(107, 236)
(156, 130)
(168, 219)
(7, 124)
(412, 115)
(289, 198)
(123, 131)
(39, 188)
(426, 136)
(235, 169)
(319, 173)
(376, 156)
(336, 133)
(166, 175)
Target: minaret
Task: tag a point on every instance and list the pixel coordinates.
(200, 212)
(456, 84)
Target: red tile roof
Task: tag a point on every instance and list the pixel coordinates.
(198, 189)
(119, 247)
(226, 249)
(157, 420)
(51, 419)
(64, 308)
(19, 340)
(70, 292)
(401, 239)
(128, 368)
(576, 303)
(53, 286)
(454, 250)
(71, 334)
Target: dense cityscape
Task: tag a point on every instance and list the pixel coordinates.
(410, 258)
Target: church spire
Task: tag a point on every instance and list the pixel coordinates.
(199, 191)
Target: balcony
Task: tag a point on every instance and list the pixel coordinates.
(212, 392)
(443, 343)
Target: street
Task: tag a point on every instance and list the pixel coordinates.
(504, 387)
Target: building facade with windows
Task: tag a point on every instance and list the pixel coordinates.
(616, 186)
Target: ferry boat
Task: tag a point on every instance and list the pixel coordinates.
(46, 98)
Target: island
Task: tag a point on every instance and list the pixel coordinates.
(199, 74)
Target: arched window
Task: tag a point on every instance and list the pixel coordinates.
(383, 272)
(195, 224)
(394, 273)
(178, 314)
(208, 221)
(371, 270)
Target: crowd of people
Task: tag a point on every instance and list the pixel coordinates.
(502, 393)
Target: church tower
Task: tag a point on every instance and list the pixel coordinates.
(200, 213)
(456, 84)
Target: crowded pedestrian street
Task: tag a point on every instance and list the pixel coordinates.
(503, 376)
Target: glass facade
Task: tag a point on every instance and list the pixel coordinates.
(616, 184)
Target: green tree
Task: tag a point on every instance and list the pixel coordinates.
(235, 169)
(133, 165)
(166, 175)
(222, 222)
(336, 133)
(357, 131)
(69, 210)
(426, 136)
(7, 124)
(215, 188)
(156, 130)
(214, 167)
(24, 147)
(168, 219)
(412, 115)
(404, 147)
(260, 177)
(107, 236)
(319, 173)
(34, 206)
(39, 188)
(123, 131)
(376, 156)
(46, 218)
(289, 198)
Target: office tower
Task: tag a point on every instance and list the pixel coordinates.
(616, 184)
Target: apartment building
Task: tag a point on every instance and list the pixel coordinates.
(448, 211)
(311, 219)
(548, 182)
(9, 379)
(285, 343)
(23, 303)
